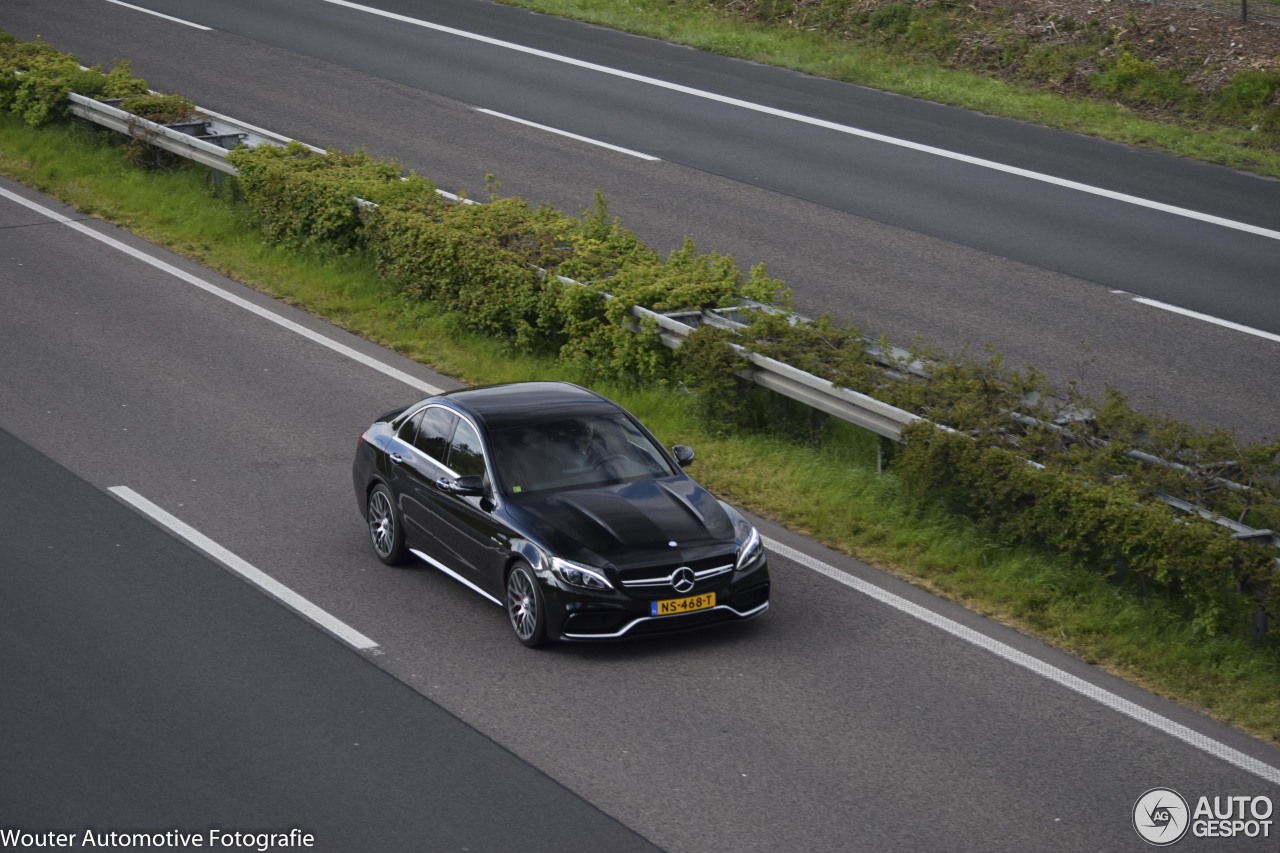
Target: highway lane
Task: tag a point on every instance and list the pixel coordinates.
(836, 720)
(751, 139)
(899, 240)
(146, 689)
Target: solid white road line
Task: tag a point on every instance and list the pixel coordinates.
(256, 576)
(816, 122)
(585, 139)
(1078, 685)
(159, 15)
(1248, 330)
(208, 287)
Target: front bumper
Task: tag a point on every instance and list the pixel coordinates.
(578, 615)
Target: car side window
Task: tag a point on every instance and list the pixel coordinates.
(466, 454)
(433, 432)
(409, 428)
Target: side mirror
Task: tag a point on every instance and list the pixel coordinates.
(683, 454)
(470, 485)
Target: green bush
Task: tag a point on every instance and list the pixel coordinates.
(1251, 97)
(475, 260)
(1249, 90)
(35, 80)
(1207, 461)
(17, 59)
(120, 83)
(602, 247)
(304, 200)
(1142, 82)
(1105, 528)
(161, 109)
(687, 281)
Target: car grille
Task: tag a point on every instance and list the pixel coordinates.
(659, 579)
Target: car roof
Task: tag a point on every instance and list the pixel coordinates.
(529, 402)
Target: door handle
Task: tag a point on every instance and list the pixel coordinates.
(397, 458)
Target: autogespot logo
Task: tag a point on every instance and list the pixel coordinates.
(1161, 817)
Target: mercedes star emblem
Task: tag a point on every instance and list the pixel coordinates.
(682, 579)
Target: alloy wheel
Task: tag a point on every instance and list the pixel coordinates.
(524, 606)
(382, 523)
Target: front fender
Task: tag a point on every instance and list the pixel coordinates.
(523, 549)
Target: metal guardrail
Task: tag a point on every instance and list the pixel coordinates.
(180, 142)
(208, 140)
(1241, 531)
(848, 405)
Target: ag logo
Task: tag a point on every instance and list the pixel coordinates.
(1161, 816)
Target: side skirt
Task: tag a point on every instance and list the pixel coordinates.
(451, 573)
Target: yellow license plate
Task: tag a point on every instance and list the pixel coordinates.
(672, 606)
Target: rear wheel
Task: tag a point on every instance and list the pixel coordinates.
(385, 531)
(525, 606)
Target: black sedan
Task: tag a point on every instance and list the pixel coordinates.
(557, 504)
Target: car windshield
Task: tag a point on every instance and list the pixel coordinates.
(572, 453)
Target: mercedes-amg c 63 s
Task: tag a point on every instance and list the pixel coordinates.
(557, 504)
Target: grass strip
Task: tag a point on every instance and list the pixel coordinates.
(831, 493)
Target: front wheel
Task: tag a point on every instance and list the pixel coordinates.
(385, 531)
(525, 606)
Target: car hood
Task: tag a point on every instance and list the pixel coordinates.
(627, 523)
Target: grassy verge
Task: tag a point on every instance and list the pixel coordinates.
(832, 492)
(918, 75)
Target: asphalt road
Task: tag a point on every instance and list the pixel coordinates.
(146, 689)
(860, 713)
(907, 243)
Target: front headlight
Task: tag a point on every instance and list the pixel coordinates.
(751, 551)
(576, 574)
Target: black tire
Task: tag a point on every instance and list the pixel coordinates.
(386, 533)
(526, 609)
